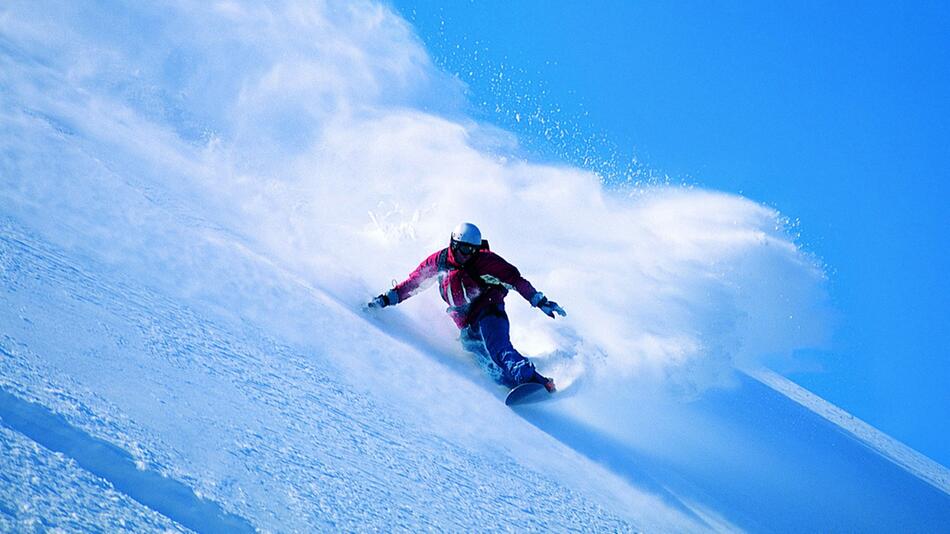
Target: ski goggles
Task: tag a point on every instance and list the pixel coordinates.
(465, 248)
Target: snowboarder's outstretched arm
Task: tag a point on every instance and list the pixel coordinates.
(499, 271)
(420, 279)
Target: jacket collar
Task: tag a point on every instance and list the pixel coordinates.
(455, 263)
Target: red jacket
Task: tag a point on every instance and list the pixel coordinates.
(467, 289)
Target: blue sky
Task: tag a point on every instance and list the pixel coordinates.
(836, 115)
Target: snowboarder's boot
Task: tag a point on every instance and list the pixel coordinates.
(545, 381)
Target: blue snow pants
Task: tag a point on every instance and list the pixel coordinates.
(488, 336)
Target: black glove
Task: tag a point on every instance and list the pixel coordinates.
(386, 299)
(549, 307)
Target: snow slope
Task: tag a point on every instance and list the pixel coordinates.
(195, 199)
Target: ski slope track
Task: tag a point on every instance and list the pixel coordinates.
(196, 199)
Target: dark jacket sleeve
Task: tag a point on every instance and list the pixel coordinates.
(494, 269)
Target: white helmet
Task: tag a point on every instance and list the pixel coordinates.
(467, 233)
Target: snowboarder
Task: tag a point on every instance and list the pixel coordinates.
(474, 281)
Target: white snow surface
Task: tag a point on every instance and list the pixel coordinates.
(197, 197)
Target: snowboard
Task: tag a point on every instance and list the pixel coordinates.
(526, 393)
